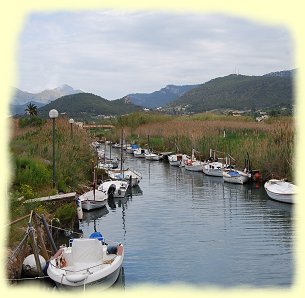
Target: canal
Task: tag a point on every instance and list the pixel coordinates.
(186, 227)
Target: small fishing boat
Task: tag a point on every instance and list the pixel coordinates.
(131, 148)
(108, 163)
(125, 175)
(236, 176)
(119, 188)
(177, 160)
(87, 262)
(280, 190)
(93, 199)
(192, 164)
(140, 152)
(153, 156)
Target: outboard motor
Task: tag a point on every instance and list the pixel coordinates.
(111, 190)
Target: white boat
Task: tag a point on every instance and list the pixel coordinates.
(140, 152)
(195, 166)
(235, 176)
(93, 199)
(214, 168)
(177, 160)
(192, 164)
(125, 175)
(86, 262)
(119, 188)
(108, 164)
(131, 148)
(153, 156)
(280, 190)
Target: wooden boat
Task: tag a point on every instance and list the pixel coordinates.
(125, 175)
(235, 176)
(177, 160)
(192, 164)
(153, 156)
(86, 262)
(93, 199)
(119, 188)
(140, 152)
(280, 190)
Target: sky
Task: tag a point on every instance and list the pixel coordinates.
(113, 53)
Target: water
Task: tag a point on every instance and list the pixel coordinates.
(190, 228)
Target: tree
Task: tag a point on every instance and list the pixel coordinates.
(31, 109)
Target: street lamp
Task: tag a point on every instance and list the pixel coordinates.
(53, 114)
(71, 121)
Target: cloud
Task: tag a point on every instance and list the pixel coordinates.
(113, 53)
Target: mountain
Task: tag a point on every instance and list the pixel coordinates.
(87, 105)
(159, 98)
(238, 92)
(21, 97)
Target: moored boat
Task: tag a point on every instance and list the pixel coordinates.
(86, 262)
(153, 156)
(93, 199)
(177, 160)
(119, 188)
(125, 175)
(280, 190)
(235, 176)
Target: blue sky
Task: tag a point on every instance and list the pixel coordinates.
(113, 53)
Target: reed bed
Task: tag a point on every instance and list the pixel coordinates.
(270, 144)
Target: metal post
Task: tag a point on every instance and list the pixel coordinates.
(71, 130)
(53, 136)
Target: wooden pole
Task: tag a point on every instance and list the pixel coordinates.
(35, 249)
(40, 238)
(49, 235)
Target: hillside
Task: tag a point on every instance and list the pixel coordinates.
(87, 105)
(159, 98)
(237, 92)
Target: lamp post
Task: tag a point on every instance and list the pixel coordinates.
(53, 114)
(71, 121)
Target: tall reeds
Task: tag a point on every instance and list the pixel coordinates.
(270, 145)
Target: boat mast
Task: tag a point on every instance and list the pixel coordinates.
(122, 151)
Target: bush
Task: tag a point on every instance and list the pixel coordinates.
(66, 213)
(31, 172)
(30, 121)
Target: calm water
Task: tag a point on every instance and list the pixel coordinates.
(190, 228)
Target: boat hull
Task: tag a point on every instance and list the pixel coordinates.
(280, 191)
(237, 177)
(102, 273)
(89, 205)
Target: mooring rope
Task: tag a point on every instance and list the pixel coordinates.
(19, 246)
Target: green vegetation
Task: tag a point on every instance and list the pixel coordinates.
(237, 92)
(31, 163)
(87, 106)
(270, 144)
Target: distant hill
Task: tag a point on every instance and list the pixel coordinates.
(22, 97)
(237, 92)
(282, 73)
(87, 105)
(159, 98)
(20, 109)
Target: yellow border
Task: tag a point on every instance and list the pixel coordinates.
(287, 13)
